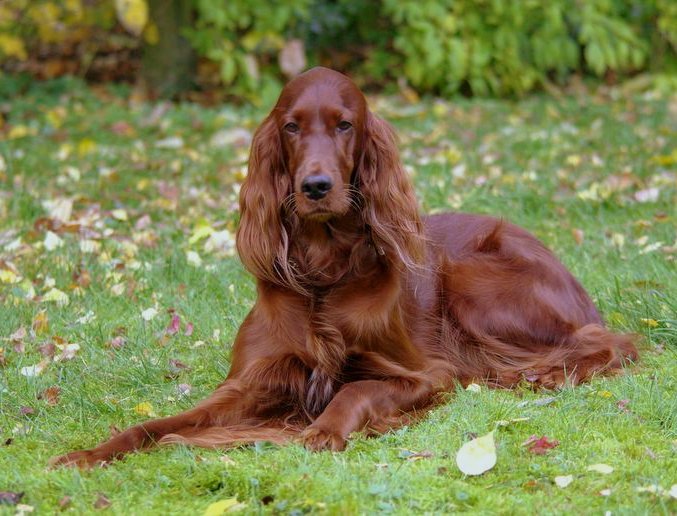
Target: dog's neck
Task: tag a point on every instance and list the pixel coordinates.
(325, 254)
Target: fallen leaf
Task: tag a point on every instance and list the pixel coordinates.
(540, 445)
(414, 456)
(149, 314)
(227, 460)
(57, 296)
(507, 422)
(52, 241)
(145, 409)
(102, 502)
(174, 325)
(622, 405)
(65, 502)
(51, 395)
(10, 497)
(224, 506)
(564, 481)
(237, 137)
(193, 259)
(473, 387)
(189, 329)
(477, 456)
(132, 15)
(117, 342)
(648, 195)
(18, 335)
(34, 370)
(68, 351)
(119, 214)
(651, 323)
(172, 142)
(578, 235)
(605, 469)
(40, 322)
(292, 58)
(605, 492)
(184, 389)
(23, 509)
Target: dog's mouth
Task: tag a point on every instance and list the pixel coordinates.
(321, 210)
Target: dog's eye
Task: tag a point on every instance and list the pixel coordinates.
(291, 127)
(344, 125)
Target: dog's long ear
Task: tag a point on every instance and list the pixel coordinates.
(390, 206)
(261, 237)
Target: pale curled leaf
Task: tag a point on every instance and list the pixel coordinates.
(149, 314)
(605, 469)
(564, 480)
(477, 456)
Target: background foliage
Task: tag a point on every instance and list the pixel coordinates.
(479, 47)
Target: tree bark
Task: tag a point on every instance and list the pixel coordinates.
(168, 67)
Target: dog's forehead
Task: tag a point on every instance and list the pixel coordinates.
(321, 89)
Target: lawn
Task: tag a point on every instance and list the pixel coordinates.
(120, 296)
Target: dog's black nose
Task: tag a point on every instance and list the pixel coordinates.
(316, 187)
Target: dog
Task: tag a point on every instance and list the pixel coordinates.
(366, 310)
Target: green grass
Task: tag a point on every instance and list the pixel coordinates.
(558, 167)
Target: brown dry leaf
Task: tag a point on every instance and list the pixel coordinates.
(18, 335)
(578, 235)
(51, 395)
(102, 502)
(47, 349)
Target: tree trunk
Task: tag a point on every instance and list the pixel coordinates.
(168, 67)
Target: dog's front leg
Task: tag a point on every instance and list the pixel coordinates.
(365, 403)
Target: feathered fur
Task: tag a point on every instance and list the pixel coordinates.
(365, 310)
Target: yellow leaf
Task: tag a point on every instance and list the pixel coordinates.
(56, 116)
(132, 14)
(144, 409)
(477, 456)
(41, 322)
(574, 160)
(224, 506)
(57, 296)
(86, 146)
(12, 46)
(7, 276)
(604, 394)
(18, 131)
(651, 323)
(202, 230)
(119, 214)
(151, 34)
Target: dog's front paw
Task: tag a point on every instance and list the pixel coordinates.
(83, 459)
(316, 438)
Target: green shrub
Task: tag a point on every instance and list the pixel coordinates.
(479, 47)
(244, 37)
(497, 47)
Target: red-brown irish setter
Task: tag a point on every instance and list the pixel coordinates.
(365, 310)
